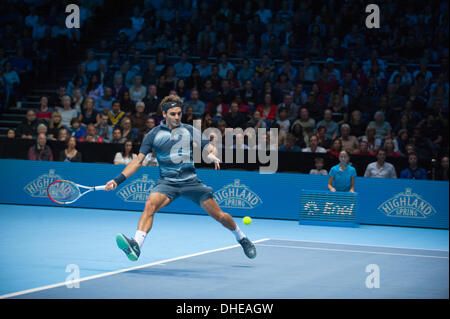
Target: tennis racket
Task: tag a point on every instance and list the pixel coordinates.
(67, 192)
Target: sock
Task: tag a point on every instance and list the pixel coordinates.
(139, 237)
(238, 233)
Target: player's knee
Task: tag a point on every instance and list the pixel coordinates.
(150, 208)
(223, 217)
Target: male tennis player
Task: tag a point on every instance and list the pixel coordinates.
(178, 177)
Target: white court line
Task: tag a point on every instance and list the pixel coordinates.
(351, 244)
(72, 282)
(352, 251)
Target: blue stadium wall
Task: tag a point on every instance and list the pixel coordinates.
(393, 202)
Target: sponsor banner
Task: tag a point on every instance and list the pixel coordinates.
(241, 193)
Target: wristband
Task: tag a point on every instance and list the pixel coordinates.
(119, 179)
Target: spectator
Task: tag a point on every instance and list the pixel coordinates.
(128, 132)
(308, 73)
(383, 128)
(40, 151)
(126, 156)
(78, 100)
(442, 172)
(28, 128)
(249, 94)
(150, 159)
(291, 108)
(256, 122)
(283, 121)
(126, 104)
(342, 175)
(335, 149)
(380, 168)
(149, 125)
(118, 88)
(245, 73)
(234, 118)
(268, 109)
(226, 91)
(389, 147)
(91, 135)
(364, 149)
(373, 143)
(331, 126)
(224, 65)
(205, 68)
(62, 135)
(297, 130)
(117, 136)
(349, 142)
(314, 146)
(358, 127)
(67, 112)
(104, 130)
(323, 140)
(151, 101)
(137, 91)
(199, 106)
(289, 144)
(115, 116)
(44, 112)
(138, 118)
(94, 88)
(54, 126)
(413, 171)
(11, 134)
(105, 101)
(89, 115)
(217, 108)
(70, 153)
(183, 68)
(91, 64)
(76, 129)
(298, 95)
(12, 80)
(318, 170)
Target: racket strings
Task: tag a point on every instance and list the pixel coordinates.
(63, 191)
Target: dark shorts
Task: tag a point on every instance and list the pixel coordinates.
(194, 190)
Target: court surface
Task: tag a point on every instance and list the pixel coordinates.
(192, 256)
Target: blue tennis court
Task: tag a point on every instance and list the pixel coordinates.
(191, 256)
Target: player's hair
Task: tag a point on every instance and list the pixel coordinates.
(170, 99)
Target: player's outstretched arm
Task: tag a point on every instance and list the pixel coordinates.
(129, 170)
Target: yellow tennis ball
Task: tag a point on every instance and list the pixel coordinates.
(247, 220)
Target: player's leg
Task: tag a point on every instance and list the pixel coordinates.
(154, 203)
(212, 208)
(132, 246)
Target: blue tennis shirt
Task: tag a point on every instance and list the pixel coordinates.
(342, 180)
(174, 150)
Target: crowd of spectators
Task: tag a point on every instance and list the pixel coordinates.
(309, 68)
(35, 42)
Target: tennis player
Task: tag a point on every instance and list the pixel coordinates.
(178, 177)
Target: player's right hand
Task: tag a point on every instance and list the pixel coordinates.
(110, 185)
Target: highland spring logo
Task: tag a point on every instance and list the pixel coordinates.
(407, 204)
(137, 191)
(237, 195)
(38, 186)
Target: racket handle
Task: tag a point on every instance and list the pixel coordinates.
(100, 188)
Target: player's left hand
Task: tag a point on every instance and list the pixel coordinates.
(214, 159)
